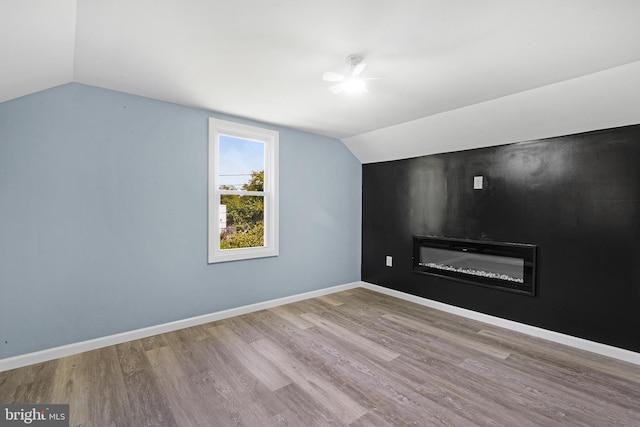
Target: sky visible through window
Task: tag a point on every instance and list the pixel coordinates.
(238, 158)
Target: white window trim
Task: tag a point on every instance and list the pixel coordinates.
(270, 139)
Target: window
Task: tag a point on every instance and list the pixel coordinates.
(243, 191)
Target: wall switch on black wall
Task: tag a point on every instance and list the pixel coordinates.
(477, 182)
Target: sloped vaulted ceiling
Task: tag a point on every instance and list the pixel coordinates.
(37, 39)
(451, 75)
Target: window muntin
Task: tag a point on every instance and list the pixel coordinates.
(243, 184)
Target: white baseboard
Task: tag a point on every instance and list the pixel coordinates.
(580, 343)
(80, 347)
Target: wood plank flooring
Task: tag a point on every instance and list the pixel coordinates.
(354, 358)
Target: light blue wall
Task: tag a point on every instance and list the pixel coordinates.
(103, 218)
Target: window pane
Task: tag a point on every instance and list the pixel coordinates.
(238, 159)
(243, 221)
(243, 192)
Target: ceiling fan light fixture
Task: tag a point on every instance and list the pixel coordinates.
(351, 82)
(354, 85)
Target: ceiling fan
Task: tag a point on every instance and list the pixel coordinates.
(351, 82)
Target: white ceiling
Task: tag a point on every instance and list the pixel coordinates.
(263, 59)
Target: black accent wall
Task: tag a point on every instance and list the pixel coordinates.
(577, 197)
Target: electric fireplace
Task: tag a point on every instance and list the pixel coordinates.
(505, 266)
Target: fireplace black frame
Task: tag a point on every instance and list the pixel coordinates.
(520, 251)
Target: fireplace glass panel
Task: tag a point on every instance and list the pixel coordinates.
(495, 266)
(505, 266)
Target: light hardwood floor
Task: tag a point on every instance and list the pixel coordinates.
(355, 358)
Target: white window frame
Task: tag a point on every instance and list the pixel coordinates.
(270, 139)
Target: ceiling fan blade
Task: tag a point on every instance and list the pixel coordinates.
(359, 68)
(337, 88)
(332, 77)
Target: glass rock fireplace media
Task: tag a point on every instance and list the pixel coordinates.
(506, 266)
